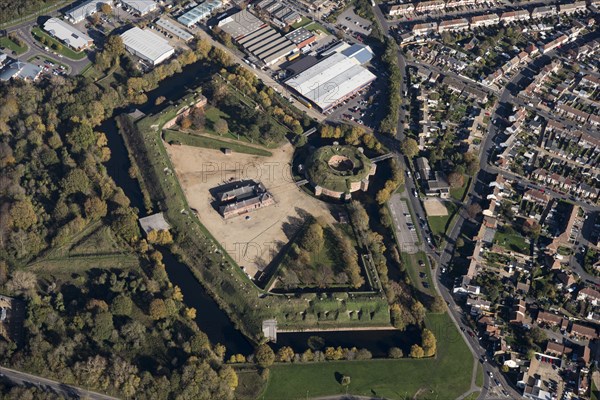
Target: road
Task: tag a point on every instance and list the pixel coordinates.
(68, 391)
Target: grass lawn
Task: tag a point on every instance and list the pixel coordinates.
(445, 377)
(411, 261)
(440, 224)
(459, 192)
(65, 50)
(302, 22)
(511, 241)
(5, 42)
(315, 26)
(479, 377)
(211, 143)
(250, 384)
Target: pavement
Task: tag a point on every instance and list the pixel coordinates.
(49, 385)
(408, 240)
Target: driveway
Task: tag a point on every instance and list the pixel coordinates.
(407, 237)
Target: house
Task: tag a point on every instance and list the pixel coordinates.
(424, 28)
(430, 5)
(453, 25)
(571, 112)
(559, 41)
(536, 196)
(544, 11)
(546, 318)
(513, 16)
(401, 9)
(590, 295)
(478, 305)
(484, 20)
(518, 313)
(557, 349)
(583, 332)
(571, 8)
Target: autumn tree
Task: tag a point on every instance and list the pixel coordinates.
(456, 179)
(285, 354)
(395, 352)
(428, 343)
(158, 309)
(473, 210)
(312, 238)
(416, 351)
(221, 126)
(264, 356)
(409, 147)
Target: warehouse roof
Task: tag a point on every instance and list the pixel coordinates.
(362, 54)
(331, 80)
(174, 29)
(81, 11)
(141, 6)
(299, 35)
(240, 24)
(67, 33)
(199, 12)
(144, 42)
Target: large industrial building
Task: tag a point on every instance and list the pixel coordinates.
(240, 24)
(174, 29)
(141, 7)
(281, 14)
(147, 45)
(337, 76)
(68, 34)
(85, 9)
(199, 12)
(268, 45)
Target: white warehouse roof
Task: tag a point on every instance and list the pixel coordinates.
(174, 29)
(331, 80)
(147, 45)
(142, 7)
(85, 9)
(67, 33)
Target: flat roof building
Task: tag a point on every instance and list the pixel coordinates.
(141, 7)
(267, 45)
(240, 24)
(334, 78)
(171, 27)
(68, 34)
(85, 9)
(147, 45)
(199, 12)
(301, 37)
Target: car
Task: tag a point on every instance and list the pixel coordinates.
(415, 193)
(491, 374)
(421, 263)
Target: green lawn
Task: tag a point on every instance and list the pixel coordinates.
(212, 143)
(440, 224)
(411, 261)
(6, 42)
(459, 192)
(65, 50)
(511, 241)
(302, 22)
(445, 377)
(479, 377)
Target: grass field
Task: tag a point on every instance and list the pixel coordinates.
(511, 241)
(12, 46)
(440, 224)
(66, 51)
(212, 143)
(479, 377)
(445, 377)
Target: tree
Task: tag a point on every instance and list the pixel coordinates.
(428, 342)
(473, 210)
(264, 356)
(114, 46)
(185, 122)
(95, 208)
(312, 239)
(345, 381)
(416, 351)
(22, 214)
(285, 354)
(409, 147)
(438, 305)
(221, 126)
(121, 305)
(532, 228)
(103, 326)
(456, 179)
(158, 309)
(395, 352)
